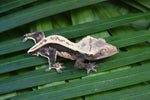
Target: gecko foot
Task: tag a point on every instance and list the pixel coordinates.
(91, 66)
(56, 66)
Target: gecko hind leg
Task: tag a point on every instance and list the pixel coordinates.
(88, 66)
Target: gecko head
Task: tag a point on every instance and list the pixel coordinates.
(107, 50)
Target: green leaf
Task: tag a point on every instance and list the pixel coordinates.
(124, 40)
(40, 11)
(90, 85)
(43, 24)
(145, 3)
(98, 25)
(106, 10)
(135, 5)
(123, 75)
(40, 77)
(6, 96)
(77, 30)
(133, 93)
(60, 21)
(23, 61)
(9, 5)
(82, 15)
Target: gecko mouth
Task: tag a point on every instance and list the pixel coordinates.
(113, 50)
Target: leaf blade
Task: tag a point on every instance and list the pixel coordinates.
(41, 11)
(94, 84)
(40, 77)
(125, 94)
(9, 5)
(78, 30)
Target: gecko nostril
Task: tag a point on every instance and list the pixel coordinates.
(113, 49)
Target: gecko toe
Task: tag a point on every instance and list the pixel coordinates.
(47, 70)
(58, 70)
(58, 66)
(91, 66)
(94, 70)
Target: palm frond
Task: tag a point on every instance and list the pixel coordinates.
(123, 23)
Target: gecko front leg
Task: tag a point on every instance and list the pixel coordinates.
(51, 54)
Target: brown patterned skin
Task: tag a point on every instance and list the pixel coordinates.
(88, 48)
